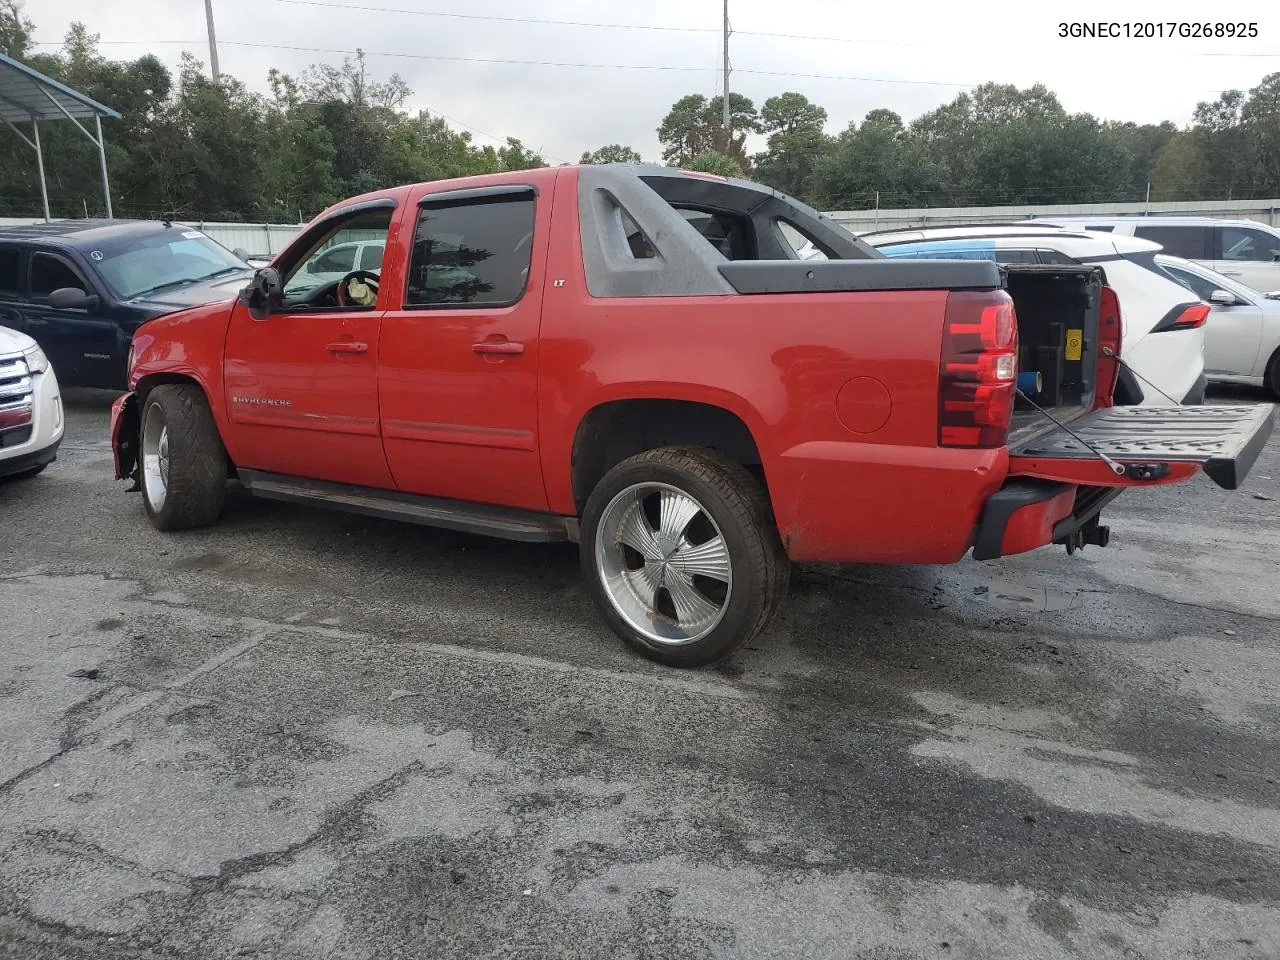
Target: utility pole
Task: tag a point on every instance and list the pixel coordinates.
(728, 132)
(213, 40)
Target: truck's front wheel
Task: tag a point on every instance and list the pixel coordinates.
(681, 554)
(184, 465)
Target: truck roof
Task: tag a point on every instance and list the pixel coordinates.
(75, 233)
(606, 170)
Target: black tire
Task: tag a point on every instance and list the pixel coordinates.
(197, 461)
(1273, 374)
(739, 507)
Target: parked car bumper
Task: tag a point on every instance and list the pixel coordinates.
(26, 446)
(1196, 396)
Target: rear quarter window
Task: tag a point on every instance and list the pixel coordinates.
(1190, 242)
(10, 258)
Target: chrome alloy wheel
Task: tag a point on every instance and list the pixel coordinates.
(664, 564)
(155, 457)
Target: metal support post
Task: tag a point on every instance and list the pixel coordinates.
(44, 186)
(102, 158)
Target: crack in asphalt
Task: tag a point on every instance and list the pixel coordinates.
(337, 823)
(18, 925)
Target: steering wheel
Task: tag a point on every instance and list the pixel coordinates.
(345, 295)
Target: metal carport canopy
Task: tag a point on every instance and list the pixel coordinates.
(28, 96)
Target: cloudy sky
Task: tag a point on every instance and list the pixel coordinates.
(567, 88)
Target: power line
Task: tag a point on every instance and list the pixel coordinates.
(669, 68)
(676, 68)
(494, 18)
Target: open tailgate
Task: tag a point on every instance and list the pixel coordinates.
(1152, 445)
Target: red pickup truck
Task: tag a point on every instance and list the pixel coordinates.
(639, 360)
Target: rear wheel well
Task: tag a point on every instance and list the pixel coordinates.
(612, 432)
(1271, 375)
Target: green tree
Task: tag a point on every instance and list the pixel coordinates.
(715, 163)
(1181, 168)
(876, 157)
(695, 125)
(515, 156)
(16, 29)
(1218, 123)
(1260, 122)
(613, 153)
(796, 145)
(998, 144)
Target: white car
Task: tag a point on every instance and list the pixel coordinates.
(1245, 250)
(1162, 346)
(31, 424)
(338, 261)
(1242, 335)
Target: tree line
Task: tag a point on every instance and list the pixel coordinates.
(993, 145)
(191, 149)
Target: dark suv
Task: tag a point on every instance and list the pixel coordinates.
(81, 287)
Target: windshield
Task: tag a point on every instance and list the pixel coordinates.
(142, 264)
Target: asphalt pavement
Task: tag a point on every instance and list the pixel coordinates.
(303, 734)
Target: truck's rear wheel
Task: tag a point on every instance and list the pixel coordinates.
(184, 465)
(681, 554)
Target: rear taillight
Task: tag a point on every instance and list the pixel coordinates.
(978, 371)
(1191, 318)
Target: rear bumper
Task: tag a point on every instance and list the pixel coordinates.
(1029, 514)
(851, 502)
(1196, 395)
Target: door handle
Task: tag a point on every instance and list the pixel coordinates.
(501, 347)
(36, 321)
(348, 346)
(1231, 273)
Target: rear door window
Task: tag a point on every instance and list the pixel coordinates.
(1197, 284)
(471, 254)
(1053, 256)
(10, 279)
(1190, 242)
(1247, 244)
(1016, 255)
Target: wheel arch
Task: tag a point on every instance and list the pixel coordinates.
(149, 381)
(613, 430)
(1271, 372)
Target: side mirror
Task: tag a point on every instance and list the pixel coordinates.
(1223, 298)
(264, 293)
(241, 252)
(72, 298)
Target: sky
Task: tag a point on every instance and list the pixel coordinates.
(908, 57)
